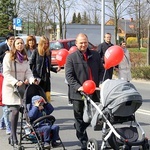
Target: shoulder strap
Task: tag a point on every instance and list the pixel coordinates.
(15, 69)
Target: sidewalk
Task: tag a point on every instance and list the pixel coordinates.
(114, 77)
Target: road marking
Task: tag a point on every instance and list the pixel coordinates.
(144, 112)
(140, 111)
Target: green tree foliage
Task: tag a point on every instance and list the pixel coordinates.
(85, 19)
(79, 18)
(6, 16)
(74, 18)
(96, 20)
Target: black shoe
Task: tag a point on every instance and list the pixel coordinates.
(12, 142)
(84, 146)
(55, 144)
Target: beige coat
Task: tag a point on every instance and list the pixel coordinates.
(23, 72)
(125, 67)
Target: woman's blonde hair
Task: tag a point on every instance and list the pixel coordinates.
(41, 46)
(31, 38)
(13, 50)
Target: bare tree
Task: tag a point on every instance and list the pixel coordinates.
(140, 11)
(39, 14)
(115, 9)
(92, 8)
(62, 10)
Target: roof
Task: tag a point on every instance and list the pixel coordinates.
(127, 26)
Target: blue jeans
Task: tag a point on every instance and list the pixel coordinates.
(5, 117)
(47, 129)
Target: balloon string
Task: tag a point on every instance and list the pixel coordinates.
(104, 75)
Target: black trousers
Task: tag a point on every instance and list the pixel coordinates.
(80, 125)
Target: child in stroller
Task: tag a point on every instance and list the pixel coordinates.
(38, 108)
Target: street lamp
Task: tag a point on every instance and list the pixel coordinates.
(139, 34)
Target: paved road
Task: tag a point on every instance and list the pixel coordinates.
(64, 118)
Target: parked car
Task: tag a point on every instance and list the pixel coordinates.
(55, 46)
(2, 39)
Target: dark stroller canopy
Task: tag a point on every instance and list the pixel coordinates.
(31, 91)
(117, 93)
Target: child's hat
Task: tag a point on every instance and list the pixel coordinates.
(35, 98)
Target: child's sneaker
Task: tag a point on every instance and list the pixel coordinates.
(46, 145)
(2, 125)
(8, 131)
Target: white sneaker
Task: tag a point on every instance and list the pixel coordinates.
(70, 104)
(8, 131)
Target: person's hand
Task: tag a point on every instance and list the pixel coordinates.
(44, 101)
(26, 81)
(117, 69)
(36, 81)
(37, 103)
(80, 88)
(6, 51)
(97, 88)
(58, 68)
(19, 83)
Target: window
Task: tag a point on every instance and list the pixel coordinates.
(56, 45)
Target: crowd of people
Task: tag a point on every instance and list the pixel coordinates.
(23, 64)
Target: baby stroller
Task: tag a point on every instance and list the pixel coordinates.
(28, 131)
(119, 102)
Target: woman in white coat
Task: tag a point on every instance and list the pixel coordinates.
(16, 72)
(124, 68)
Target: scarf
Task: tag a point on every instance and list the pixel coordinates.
(20, 57)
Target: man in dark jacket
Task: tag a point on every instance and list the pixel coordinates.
(102, 49)
(5, 46)
(82, 65)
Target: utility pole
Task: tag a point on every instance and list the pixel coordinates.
(102, 20)
(139, 34)
(148, 45)
(148, 38)
(15, 15)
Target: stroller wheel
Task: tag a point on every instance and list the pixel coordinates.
(21, 148)
(126, 147)
(92, 144)
(145, 145)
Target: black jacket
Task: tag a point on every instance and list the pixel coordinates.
(3, 48)
(37, 65)
(77, 71)
(102, 49)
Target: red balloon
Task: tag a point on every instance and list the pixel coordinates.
(61, 57)
(72, 49)
(89, 87)
(113, 56)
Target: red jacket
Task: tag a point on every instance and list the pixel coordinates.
(1, 83)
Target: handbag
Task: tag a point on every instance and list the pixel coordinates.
(19, 90)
